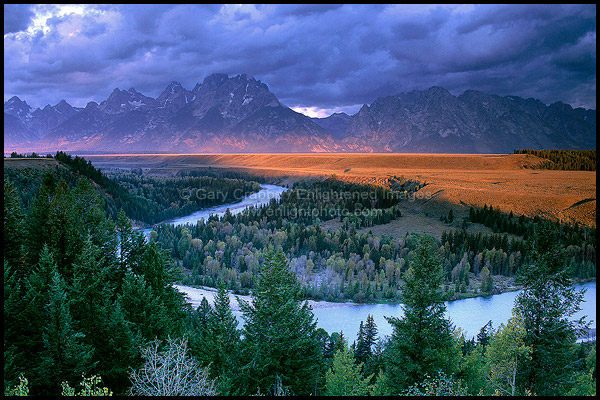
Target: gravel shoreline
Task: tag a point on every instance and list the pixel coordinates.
(195, 295)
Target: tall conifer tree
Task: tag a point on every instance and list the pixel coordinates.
(13, 228)
(547, 303)
(279, 334)
(65, 356)
(38, 224)
(422, 342)
(221, 340)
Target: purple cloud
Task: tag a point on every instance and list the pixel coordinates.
(320, 56)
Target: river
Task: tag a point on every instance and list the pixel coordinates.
(468, 314)
(260, 198)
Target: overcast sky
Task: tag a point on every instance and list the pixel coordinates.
(317, 59)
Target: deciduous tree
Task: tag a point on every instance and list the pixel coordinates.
(506, 355)
(345, 377)
(170, 372)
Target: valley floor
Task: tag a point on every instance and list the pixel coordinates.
(453, 180)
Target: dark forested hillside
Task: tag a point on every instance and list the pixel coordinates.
(81, 292)
(145, 199)
(566, 160)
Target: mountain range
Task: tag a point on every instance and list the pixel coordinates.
(241, 115)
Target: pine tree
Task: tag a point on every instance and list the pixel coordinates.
(323, 339)
(197, 328)
(63, 241)
(359, 347)
(65, 356)
(159, 272)
(101, 318)
(14, 325)
(25, 315)
(373, 359)
(484, 335)
(221, 342)
(13, 237)
(337, 341)
(119, 352)
(203, 314)
(130, 247)
(143, 309)
(367, 335)
(370, 333)
(89, 219)
(90, 289)
(38, 227)
(547, 302)
(422, 342)
(89, 206)
(279, 334)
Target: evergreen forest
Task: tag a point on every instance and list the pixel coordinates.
(90, 307)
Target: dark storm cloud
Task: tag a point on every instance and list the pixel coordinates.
(310, 55)
(16, 17)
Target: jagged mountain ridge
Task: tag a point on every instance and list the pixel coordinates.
(436, 121)
(23, 124)
(240, 114)
(222, 114)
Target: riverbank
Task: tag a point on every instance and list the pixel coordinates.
(505, 289)
(253, 199)
(199, 291)
(195, 295)
(502, 284)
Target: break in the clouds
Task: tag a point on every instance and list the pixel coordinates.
(317, 59)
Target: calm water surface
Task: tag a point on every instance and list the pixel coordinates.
(468, 314)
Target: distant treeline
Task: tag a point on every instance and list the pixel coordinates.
(524, 226)
(14, 154)
(566, 160)
(154, 199)
(220, 173)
